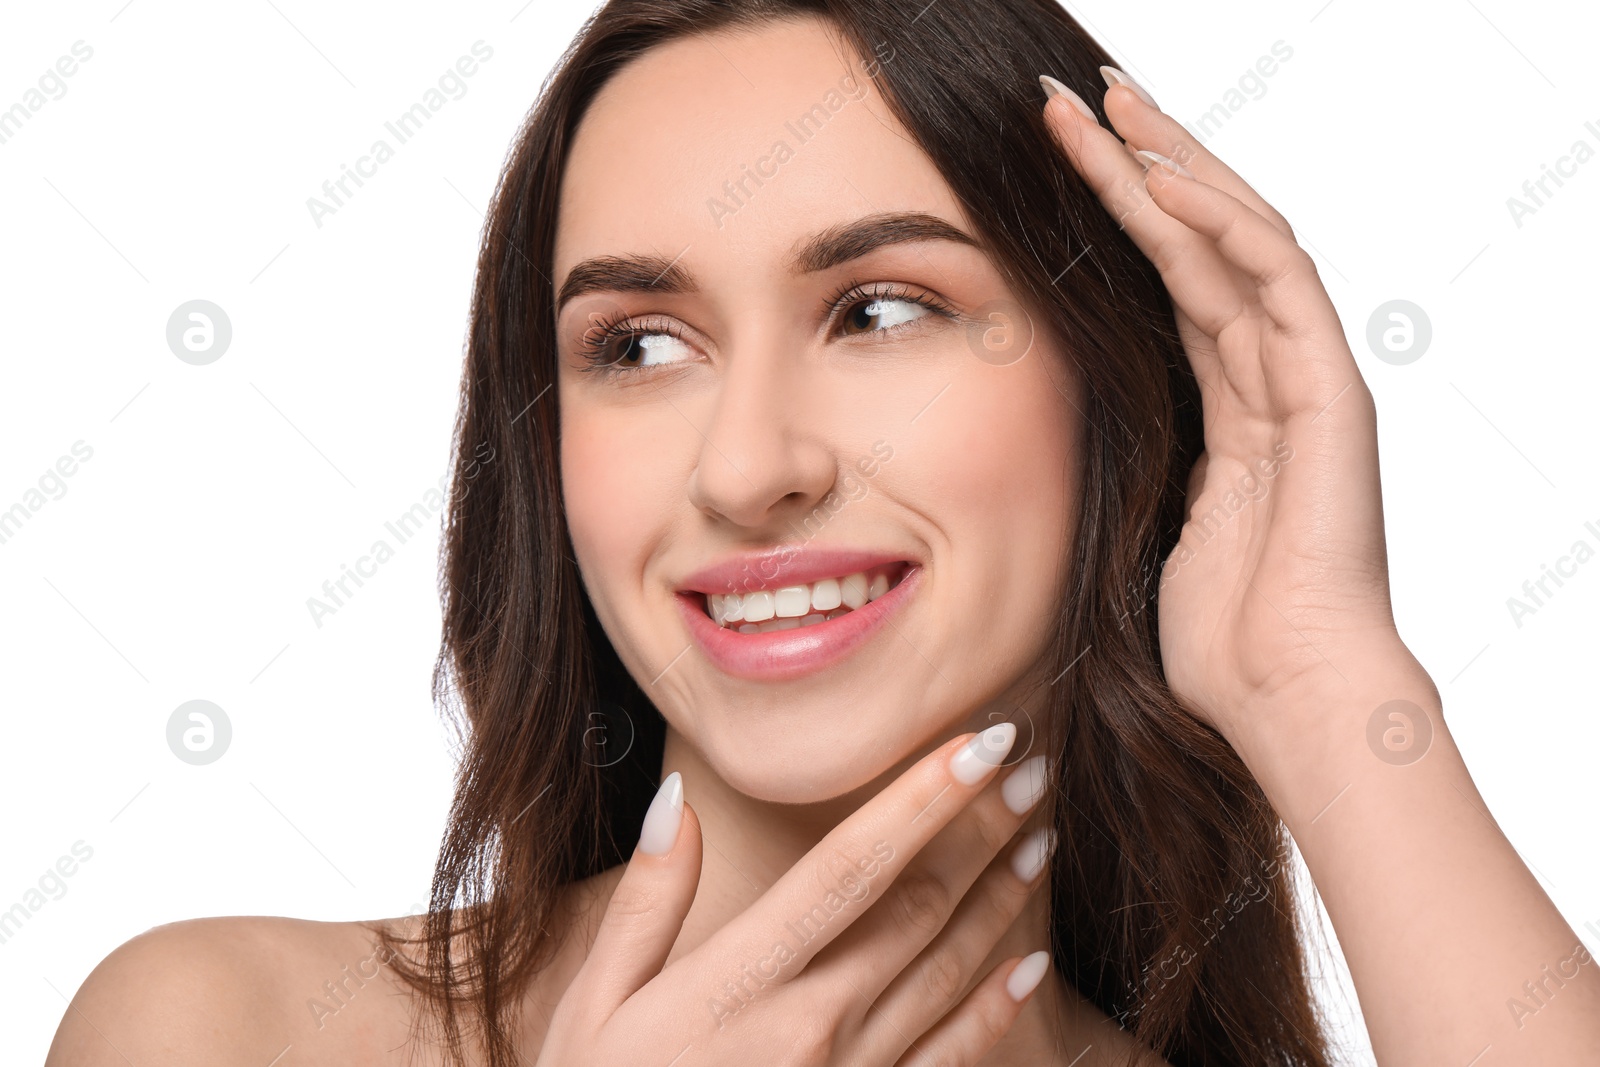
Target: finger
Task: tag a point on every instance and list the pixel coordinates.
(1117, 179)
(1284, 276)
(873, 954)
(645, 914)
(1146, 126)
(938, 978)
(851, 868)
(977, 1025)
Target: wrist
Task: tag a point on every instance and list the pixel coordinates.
(1372, 707)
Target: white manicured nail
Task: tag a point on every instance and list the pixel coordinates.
(1025, 785)
(983, 753)
(1113, 76)
(1025, 975)
(1031, 853)
(1055, 88)
(1149, 159)
(661, 822)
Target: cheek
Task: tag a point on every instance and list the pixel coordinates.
(1004, 453)
(610, 492)
(1000, 470)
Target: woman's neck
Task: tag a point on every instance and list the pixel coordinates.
(749, 844)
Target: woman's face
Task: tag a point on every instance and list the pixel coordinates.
(731, 187)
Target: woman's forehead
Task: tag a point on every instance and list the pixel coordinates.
(738, 146)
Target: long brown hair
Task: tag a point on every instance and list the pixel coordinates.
(1171, 899)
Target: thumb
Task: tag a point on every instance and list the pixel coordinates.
(646, 911)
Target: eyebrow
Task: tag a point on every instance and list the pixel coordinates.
(824, 250)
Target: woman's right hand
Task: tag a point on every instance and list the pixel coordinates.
(884, 971)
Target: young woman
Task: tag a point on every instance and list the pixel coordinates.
(939, 522)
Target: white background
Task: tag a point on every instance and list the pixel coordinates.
(178, 563)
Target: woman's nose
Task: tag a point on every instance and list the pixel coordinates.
(765, 457)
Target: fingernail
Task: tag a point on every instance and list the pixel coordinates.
(662, 820)
(1147, 158)
(1025, 785)
(1031, 853)
(982, 754)
(1055, 88)
(1113, 76)
(1025, 975)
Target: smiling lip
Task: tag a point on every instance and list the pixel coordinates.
(776, 568)
(785, 654)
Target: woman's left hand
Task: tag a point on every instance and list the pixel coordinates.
(1278, 587)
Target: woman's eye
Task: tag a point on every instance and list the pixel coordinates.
(649, 349)
(618, 347)
(882, 313)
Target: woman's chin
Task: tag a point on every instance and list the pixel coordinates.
(812, 761)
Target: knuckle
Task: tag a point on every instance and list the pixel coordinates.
(992, 835)
(920, 902)
(1307, 265)
(630, 903)
(943, 975)
(811, 1040)
(1287, 269)
(989, 1021)
(1300, 263)
(999, 899)
(837, 866)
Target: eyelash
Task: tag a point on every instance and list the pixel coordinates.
(595, 344)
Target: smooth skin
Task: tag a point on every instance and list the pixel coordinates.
(1278, 631)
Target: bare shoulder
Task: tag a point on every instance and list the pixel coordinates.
(247, 990)
(264, 990)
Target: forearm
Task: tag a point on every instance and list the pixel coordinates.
(1452, 945)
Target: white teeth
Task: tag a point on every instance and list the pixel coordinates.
(796, 605)
(792, 601)
(825, 594)
(758, 606)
